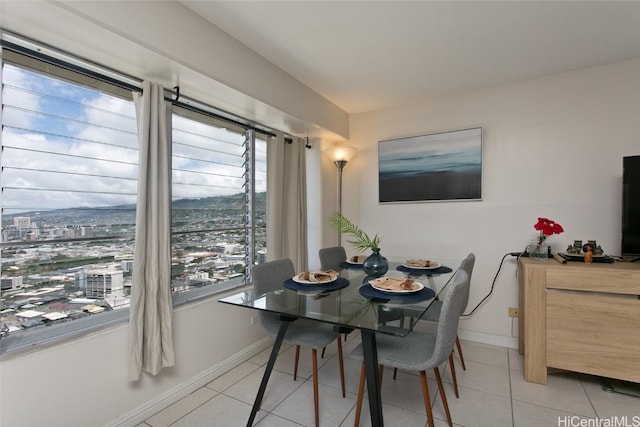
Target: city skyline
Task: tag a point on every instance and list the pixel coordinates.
(56, 280)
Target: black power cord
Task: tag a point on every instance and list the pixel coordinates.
(493, 284)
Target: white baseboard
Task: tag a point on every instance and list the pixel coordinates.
(481, 337)
(141, 413)
(499, 340)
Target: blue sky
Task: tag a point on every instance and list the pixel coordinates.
(91, 125)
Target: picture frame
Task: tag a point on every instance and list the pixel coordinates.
(444, 166)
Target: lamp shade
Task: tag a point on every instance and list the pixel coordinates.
(338, 153)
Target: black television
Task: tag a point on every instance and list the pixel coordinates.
(630, 206)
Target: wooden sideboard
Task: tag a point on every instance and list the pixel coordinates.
(579, 317)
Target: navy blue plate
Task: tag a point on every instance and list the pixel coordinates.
(339, 283)
(424, 271)
(421, 295)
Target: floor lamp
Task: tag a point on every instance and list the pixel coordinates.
(340, 155)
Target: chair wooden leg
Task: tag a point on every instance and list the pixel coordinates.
(341, 364)
(316, 402)
(322, 354)
(360, 396)
(395, 372)
(460, 353)
(361, 392)
(295, 364)
(426, 397)
(444, 396)
(453, 375)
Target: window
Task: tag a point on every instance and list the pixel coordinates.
(218, 223)
(69, 188)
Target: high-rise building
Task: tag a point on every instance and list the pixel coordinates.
(103, 282)
(11, 283)
(22, 221)
(127, 265)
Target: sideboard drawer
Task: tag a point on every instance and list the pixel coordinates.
(594, 334)
(614, 281)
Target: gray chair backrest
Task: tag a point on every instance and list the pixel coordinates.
(330, 258)
(467, 265)
(270, 276)
(452, 308)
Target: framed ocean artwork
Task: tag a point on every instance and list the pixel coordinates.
(445, 166)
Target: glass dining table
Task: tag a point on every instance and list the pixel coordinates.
(352, 303)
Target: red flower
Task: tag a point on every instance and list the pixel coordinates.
(547, 227)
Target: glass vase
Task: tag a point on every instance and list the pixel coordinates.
(538, 251)
(375, 265)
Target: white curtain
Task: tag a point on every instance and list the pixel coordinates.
(151, 308)
(287, 201)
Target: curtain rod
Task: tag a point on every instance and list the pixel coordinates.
(289, 140)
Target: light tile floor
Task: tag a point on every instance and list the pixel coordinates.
(493, 393)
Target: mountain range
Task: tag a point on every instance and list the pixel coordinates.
(226, 206)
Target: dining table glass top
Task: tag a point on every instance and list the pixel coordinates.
(357, 305)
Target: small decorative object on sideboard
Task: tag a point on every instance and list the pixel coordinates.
(578, 248)
(597, 249)
(546, 227)
(588, 252)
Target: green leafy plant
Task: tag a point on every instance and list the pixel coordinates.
(361, 240)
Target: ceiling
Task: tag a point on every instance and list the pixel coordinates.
(371, 55)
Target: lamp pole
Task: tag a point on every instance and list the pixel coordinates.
(340, 155)
(340, 165)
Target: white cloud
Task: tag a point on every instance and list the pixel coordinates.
(100, 147)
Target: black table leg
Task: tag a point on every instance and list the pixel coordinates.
(370, 353)
(284, 324)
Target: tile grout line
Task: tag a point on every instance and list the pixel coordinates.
(513, 417)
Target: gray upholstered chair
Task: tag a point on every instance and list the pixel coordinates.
(330, 258)
(433, 314)
(420, 351)
(270, 276)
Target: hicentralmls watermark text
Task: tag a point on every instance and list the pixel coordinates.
(615, 421)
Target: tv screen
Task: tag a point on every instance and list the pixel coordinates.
(631, 206)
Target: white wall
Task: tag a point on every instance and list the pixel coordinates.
(84, 382)
(552, 147)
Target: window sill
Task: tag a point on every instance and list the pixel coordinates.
(17, 344)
